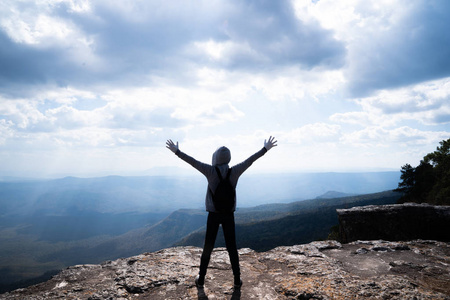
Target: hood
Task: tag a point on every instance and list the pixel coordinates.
(221, 156)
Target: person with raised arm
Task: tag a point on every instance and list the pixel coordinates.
(220, 214)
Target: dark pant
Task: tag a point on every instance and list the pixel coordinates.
(212, 227)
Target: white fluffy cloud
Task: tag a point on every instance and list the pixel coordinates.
(427, 103)
(129, 43)
(389, 43)
(341, 84)
(377, 136)
(313, 134)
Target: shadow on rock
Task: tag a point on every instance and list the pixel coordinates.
(202, 295)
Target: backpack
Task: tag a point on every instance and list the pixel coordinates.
(224, 195)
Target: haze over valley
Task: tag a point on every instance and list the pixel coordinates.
(47, 225)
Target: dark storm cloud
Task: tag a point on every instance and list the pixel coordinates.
(269, 28)
(157, 39)
(23, 66)
(416, 49)
(276, 38)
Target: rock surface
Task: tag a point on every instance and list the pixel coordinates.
(319, 270)
(396, 222)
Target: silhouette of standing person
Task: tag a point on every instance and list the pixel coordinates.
(220, 160)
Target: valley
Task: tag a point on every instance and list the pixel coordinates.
(48, 225)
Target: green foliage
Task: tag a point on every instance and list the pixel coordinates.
(429, 182)
(334, 233)
(289, 224)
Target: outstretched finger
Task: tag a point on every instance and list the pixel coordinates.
(274, 142)
(169, 144)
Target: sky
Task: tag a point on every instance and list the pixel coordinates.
(92, 88)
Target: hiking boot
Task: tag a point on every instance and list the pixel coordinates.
(237, 283)
(199, 282)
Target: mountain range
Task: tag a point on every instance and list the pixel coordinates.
(48, 225)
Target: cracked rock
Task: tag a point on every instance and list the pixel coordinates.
(318, 270)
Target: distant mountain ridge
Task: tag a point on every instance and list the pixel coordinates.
(334, 194)
(164, 194)
(67, 221)
(262, 227)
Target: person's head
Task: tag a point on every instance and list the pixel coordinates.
(221, 156)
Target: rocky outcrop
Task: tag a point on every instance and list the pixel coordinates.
(396, 222)
(319, 270)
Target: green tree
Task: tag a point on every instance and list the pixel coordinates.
(430, 180)
(440, 159)
(408, 179)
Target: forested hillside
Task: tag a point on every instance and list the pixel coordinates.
(50, 224)
(262, 227)
(266, 227)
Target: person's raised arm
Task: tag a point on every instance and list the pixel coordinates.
(171, 146)
(201, 167)
(268, 144)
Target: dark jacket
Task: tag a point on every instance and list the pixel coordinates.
(221, 158)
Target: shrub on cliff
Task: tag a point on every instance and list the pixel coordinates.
(429, 182)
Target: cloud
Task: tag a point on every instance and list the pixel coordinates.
(98, 138)
(267, 34)
(78, 138)
(211, 115)
(348, 82)
(5, 131)
(370, 136)
(133, 117)
(38, 46)
(355, 118)
(410, 48)
(427, 103)
(312, 134)
(34, 116)
(79, 43)
(390, 43)
(378, 136)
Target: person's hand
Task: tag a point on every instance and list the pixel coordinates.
(270, 143)
(171, 146)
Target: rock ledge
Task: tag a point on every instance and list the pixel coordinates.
(319, 270)
(395, 222)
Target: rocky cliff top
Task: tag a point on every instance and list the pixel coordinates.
(392, 207)
(395, 222)
(319, 270)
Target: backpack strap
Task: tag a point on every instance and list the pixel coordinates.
(228, 173)
(220, 175)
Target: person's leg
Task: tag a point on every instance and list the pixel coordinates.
(229, 233)
(212, 226)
